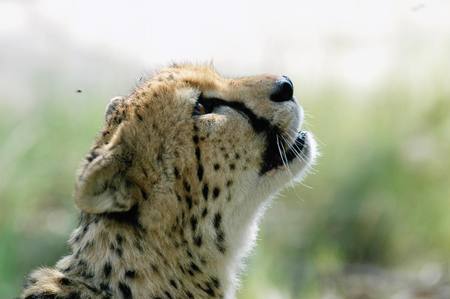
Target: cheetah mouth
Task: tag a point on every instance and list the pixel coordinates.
(277, 155)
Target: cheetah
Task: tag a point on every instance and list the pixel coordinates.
(172, 189)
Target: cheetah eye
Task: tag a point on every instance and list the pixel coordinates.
(202, 106)
(199, 109)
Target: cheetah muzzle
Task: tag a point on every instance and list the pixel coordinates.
(171, 191)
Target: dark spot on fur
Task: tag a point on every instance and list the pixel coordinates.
(197, 153)
(173, 284)
(207, 289)
(104, 286)
(119, 252)
(159, 157)
(144, 193)
(187, 187)
(200, 172)
(194, 223)
(205, 191)
(189, 294)
(144, 171)
(168, 295)
(195, 139)
(198, 240)
(82, 264)
(204, 212)
(189, 201)
(232, 166)
(130, 274)
(216, 166)
(176, 172)
(229, 183)
(89, 244)
(215, 282)
(65, 281)
(119, 239)
(220, 236)
(217, 220)
(87, 274)
(125, 290)
(221, 248)
(216, 192)
(181, 269)
(139, 116)
(237, 156)
(154, 268)
(92, 155)
(138, 245)
(195, 268)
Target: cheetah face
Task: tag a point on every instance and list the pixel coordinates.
(199, 140)
(252, 127)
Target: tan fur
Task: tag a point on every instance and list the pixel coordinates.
(170, 200)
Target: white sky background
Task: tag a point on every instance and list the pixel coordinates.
(355, 43)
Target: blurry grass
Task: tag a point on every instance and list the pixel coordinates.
(39, 152)
(380, 193)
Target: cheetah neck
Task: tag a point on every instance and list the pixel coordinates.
(119, 253)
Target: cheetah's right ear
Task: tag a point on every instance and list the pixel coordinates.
(103, 184)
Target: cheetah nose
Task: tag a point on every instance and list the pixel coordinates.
(283, 90)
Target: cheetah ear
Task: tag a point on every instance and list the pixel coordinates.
(102, 185)
(113, 104)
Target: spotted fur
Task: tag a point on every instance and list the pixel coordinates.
(173, 187)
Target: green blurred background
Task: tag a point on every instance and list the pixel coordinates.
(371, 221)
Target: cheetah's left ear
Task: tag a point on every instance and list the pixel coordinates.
(114, 103)
(103, 185)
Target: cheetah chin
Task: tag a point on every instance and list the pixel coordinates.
(171, 192)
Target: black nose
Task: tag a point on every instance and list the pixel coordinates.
(283, 90)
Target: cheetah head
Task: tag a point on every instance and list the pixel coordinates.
(190, 146)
